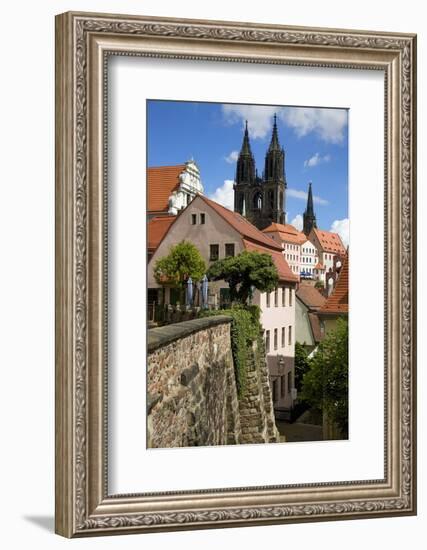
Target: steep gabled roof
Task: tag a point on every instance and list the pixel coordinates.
(330, 242)
(162, 181)
(315, 327)
(157, 229)
(310, 296)
(337, 302)
(241, 224)
(288, 233)
(283, 269)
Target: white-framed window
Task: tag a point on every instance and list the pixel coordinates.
(267, 341)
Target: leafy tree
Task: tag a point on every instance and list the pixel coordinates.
(183, 261)
(325, 384)
(302, 364)
(319, 285)
(245, 271)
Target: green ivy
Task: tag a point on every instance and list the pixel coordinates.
(245, 329)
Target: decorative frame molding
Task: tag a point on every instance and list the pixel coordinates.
(83, 43)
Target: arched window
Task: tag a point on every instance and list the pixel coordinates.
(257, 200)
(241, 197)
(271, 199)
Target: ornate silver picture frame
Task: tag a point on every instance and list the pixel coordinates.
(84, 42)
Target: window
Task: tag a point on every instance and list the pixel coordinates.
(193, 219)
(202, 219)
(282, 386)
(283, 297)
(290, 297)
(290, 336)
(229, 250)
(267, 299)
(267, 341)
(283, 337)
(289, 381)
(214, 252)
(276, 297)
(275, 338)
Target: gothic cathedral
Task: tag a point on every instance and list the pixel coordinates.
(261, 200)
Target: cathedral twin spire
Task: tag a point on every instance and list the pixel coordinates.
(261, 199)
(274, 159)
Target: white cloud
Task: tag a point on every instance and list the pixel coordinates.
(232, 157)
(259, 117)
(297, 222)
(342, 227)
(328, 124)
(297, 194)
(315, 160)
(224, 194)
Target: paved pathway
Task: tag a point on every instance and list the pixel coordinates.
(298, 431)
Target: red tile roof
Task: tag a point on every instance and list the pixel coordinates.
(337, 302)
(315, 327)
(157, 229)
(254, 239)
(330, 242)
(242, 225)
(283, 269)
(161, 182)
(288, 233)
(310, 296)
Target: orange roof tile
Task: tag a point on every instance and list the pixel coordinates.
(315, 327)
(281, 228)
(337, 302)
(242, 225)
(319, 266)
(157, 229)
(283, 269)
(287, 233)
(161, 182)
(310, 296)
(330, 242)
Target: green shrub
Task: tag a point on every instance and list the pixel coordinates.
(245, 329)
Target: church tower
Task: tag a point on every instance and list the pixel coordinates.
(245, 175)
(274, 180)
(261, 200)
(309, 217)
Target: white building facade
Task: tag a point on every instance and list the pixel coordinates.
(190, 184)
(278, 322)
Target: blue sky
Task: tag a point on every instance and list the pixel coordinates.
(315, 142)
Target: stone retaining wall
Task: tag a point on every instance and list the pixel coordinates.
(192, 395)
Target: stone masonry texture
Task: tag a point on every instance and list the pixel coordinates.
(192, 396)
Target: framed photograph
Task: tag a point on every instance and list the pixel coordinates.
(235, 274)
